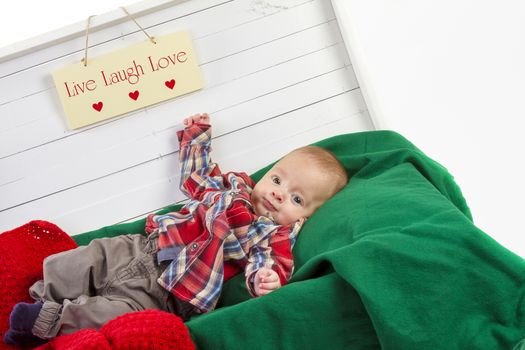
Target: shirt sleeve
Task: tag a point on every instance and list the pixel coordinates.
(274, 253)
(197, 171)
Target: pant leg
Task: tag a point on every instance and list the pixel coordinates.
(86, 269)
(117, 289)
(80, 313)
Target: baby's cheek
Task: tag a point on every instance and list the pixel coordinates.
(286, 218)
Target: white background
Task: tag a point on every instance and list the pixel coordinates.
(450, 76)
(20, 20)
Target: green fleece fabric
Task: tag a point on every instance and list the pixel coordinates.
(393, 261)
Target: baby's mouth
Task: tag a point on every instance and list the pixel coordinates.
(269, 206)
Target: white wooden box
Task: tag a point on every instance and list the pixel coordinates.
(277, 76)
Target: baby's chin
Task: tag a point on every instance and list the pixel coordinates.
(260, 210)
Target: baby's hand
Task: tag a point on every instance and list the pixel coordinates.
(266, 281)
(197, 118)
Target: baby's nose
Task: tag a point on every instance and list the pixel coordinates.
(278, 196)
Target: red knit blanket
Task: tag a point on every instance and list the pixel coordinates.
(22, 252)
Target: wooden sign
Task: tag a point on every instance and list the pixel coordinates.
(128, 79)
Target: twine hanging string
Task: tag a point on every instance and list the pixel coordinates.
(152, 39)
(87, 34)
(138, 25)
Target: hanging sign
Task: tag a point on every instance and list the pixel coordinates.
(128, 79)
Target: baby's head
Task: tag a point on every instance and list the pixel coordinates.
(298, 184)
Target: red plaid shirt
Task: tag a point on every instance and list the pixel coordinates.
(217, 227)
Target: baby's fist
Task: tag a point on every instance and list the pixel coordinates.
(266, 281)
(197, 118)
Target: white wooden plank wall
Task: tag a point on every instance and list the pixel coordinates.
(277, 76)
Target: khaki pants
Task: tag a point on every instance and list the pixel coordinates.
(90, 285)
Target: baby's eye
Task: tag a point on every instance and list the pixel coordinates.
(276, 180)
(297, 200)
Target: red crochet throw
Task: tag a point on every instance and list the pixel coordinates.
(22, 252)
(149, 329)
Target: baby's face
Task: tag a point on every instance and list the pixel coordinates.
(291, 190)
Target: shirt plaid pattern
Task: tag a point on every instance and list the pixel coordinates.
(218, 226)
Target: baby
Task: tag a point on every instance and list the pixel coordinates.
(229, 225)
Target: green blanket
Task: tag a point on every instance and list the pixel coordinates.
(393, 261)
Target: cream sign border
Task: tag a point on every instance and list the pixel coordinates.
(128, 79)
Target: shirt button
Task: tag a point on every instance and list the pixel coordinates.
(194, 246)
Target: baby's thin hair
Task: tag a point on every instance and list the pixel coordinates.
(327, 162)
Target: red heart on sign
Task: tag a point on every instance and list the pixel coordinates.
(170, 83)
(98, 106)
(134, 95)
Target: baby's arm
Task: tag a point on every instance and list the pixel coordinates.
(196, 168)
(270, 263)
